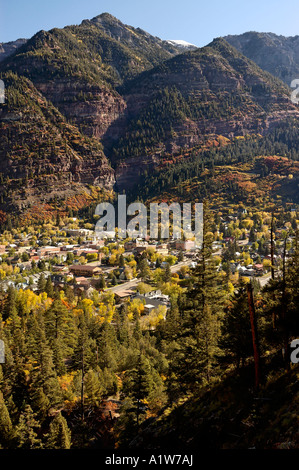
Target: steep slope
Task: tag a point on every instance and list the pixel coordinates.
(229, 415)
(77, 68)
(142, 99)
(42, 157)
(147, 50)
(71, 76)
(278, 55)
(8, 48)
(213, 90)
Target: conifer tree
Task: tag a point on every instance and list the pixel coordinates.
(59, 436)
(40, 403)
(6, 429)
(26, 435)
(49, 288)
(93, 388)
(195, 356)
(41, 285)
(236, 340)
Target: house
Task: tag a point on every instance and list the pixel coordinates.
(185, 245)
(247, 272)
(148, 308)
(85, 270)
(155, 298)
(122, 295)
(259, 269)
(139, 249)
(57, 278)
(135, 245)
(48, 251)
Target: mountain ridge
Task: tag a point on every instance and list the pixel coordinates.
(277, 54)
(125, 89)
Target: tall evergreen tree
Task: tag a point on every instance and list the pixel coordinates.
(196, 353)
(236, 339)
(6, 429)
(59, 436)
(26, 435)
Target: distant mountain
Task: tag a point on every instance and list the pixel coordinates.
(279, 55)
(8, 48)
(184, 45)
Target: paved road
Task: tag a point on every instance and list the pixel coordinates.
(134, 282)
(264, 280)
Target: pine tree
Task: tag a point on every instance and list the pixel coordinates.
(6, 429)
(167, 273)
(93, 388)
(138, 384)
(40, 403)
(195, 357)
(45, 375)
(60, 328)
(49, 288)
(236, 340)
(10, 304)
(26, 435)
(41, 285)
(59, 436)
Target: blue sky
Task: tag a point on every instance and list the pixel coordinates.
(195, 21)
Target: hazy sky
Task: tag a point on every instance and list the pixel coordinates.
(195, 21)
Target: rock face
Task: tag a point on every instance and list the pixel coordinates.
(279, 55)
(8, 48)
(129, 171)
(43, 157)
(94, 114)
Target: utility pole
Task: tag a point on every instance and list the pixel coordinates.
(255, 341)
(272, 247)
(284, 308)
(82, 382)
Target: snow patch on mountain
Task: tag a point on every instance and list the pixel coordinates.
(181, 43)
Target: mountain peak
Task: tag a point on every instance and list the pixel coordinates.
(105, 17)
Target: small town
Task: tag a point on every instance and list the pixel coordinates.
(142, 275)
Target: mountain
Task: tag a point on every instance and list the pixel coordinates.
(206, 93)
(8, 48)
(78, 68)
(150, 50)
(279, 55)
(228, 415)
(133, 100)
